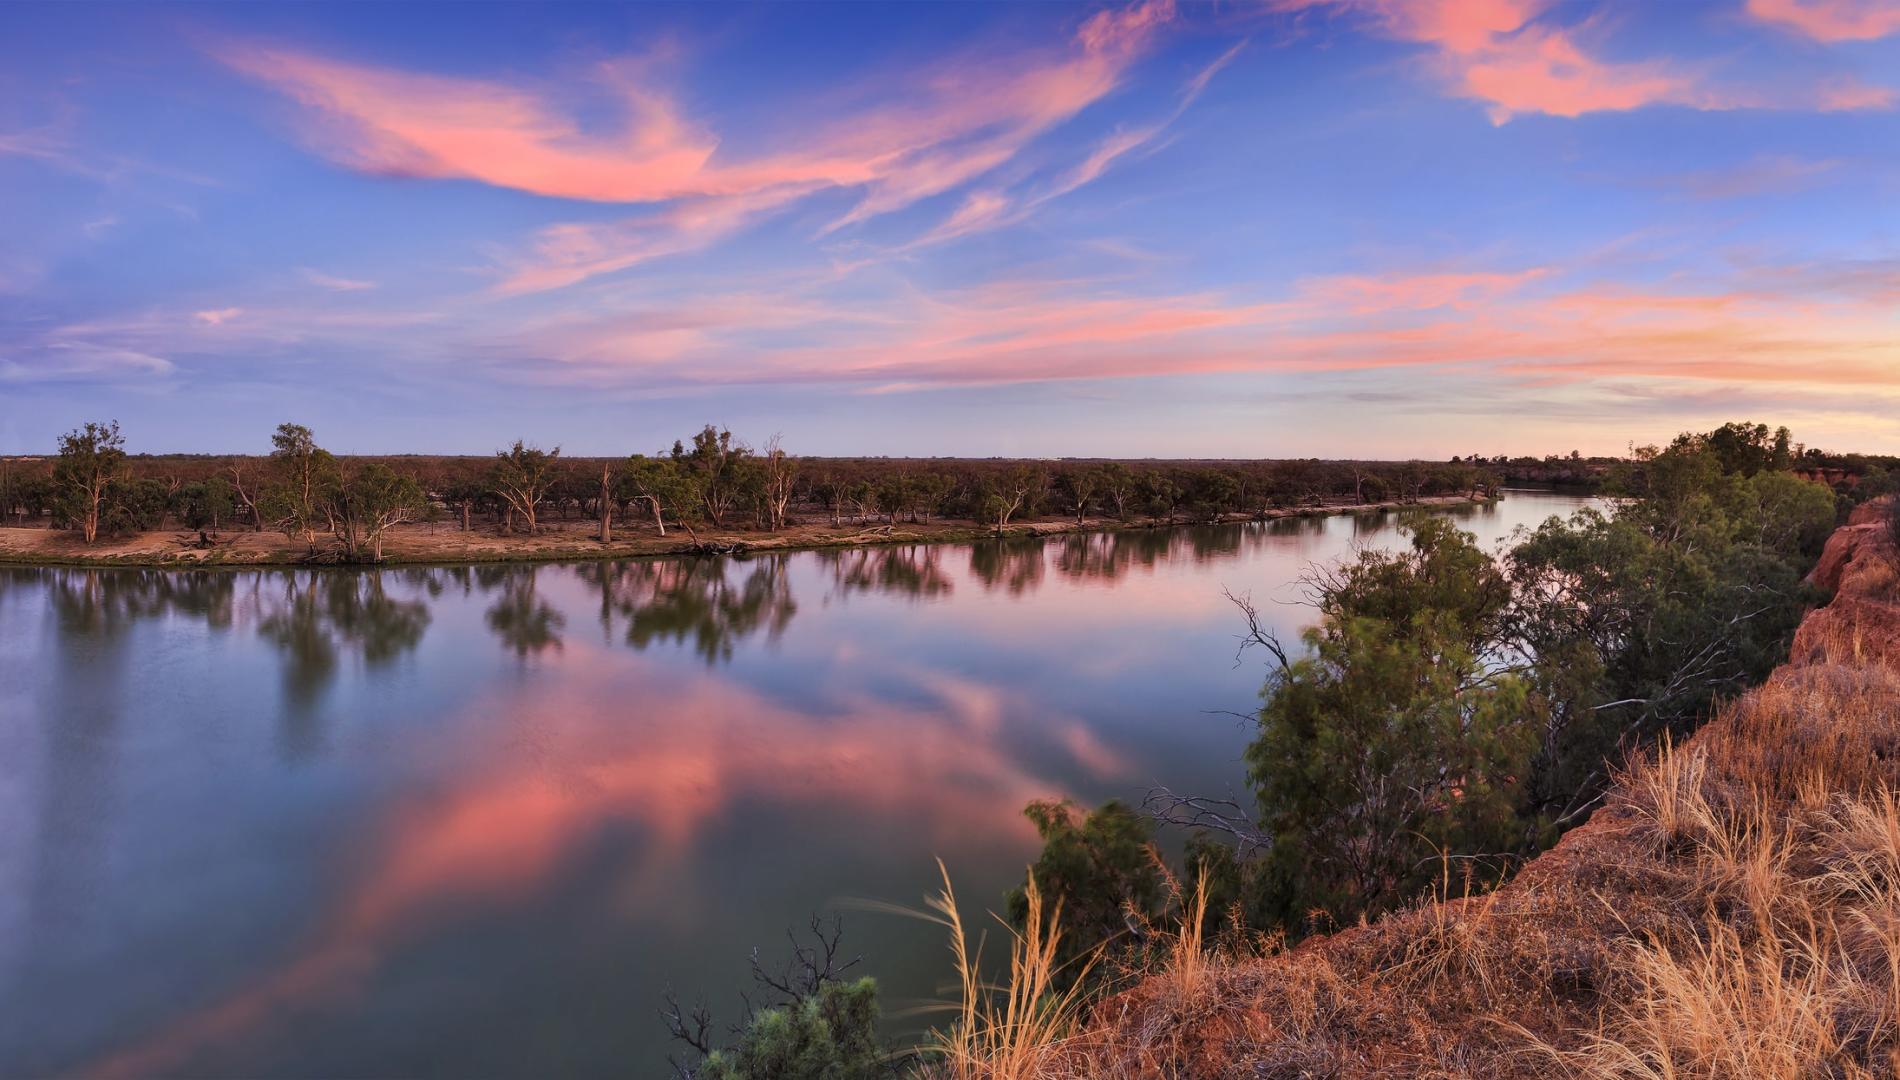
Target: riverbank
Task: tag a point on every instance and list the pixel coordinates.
(1729, 911)
(573, 541)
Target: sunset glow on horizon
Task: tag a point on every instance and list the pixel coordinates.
(1369, 228)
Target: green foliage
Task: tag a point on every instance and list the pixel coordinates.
(1454, 705)
(1101, 869)
(302, 475)
(88, 476)
(1645, 616)
(1396, 738)
(134, 506)
(830, 1034)
(721, 470)
(663, 485)
(203, 504)
(522, 476)
(367, 501)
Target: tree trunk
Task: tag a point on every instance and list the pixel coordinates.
(659, 520)
(606, 507)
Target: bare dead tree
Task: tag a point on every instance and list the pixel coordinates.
(606, 502)
(805, 973)
(1257, 633)
(810, 966)
(245, 498)
(1226, 816)
(692, 1027)
(781, 470)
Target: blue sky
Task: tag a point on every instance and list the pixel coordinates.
(1291, 227)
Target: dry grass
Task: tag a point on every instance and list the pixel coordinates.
(1017, 1028)
(1732, 911)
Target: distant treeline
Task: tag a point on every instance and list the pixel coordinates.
(94, 486)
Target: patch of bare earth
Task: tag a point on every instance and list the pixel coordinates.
(447, 542)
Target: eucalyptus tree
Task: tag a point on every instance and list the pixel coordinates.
(663, 485)
(202, 504)
(298, 496)
(367, 502)
(605, 502)
(522, 476)
(721, 470)
(1081, 483)
(91, 464)
(778, 475)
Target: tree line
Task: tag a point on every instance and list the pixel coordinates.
(95, 488)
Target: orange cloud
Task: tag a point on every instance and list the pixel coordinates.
(1831, 20)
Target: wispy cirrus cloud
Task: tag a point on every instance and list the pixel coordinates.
(942, 128)
(989, 209)
(334, 283)
(1768, 174)
(1815, 324)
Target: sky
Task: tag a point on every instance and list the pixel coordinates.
(1257, 228)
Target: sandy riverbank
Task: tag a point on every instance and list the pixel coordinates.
(446, 542)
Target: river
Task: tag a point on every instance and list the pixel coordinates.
(476, 821)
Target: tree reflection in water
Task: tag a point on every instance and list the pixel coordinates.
(313, 618)
(526, 624)
(1013, 565)
(911, 570)
(96, 604)
(695, 601)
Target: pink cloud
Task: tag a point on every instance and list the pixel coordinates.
(1796, 325)
(1831, 20)
(982, 211)
(1851, 95)
(432, 126)
(948, 127)
(503, 826)
(1509, 55)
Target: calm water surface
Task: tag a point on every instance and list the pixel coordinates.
(475, 821)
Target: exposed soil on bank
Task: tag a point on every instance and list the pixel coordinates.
(559, 541)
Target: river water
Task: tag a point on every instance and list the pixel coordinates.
(476, 821)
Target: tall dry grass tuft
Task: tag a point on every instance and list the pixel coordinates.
(1792, 969)
(1019, 1028)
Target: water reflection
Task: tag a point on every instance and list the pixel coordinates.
(910, 570)
(709, 604)
(525, 623)
(328, 832)
(100, 604)
(1013, 566)
(312, 618)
